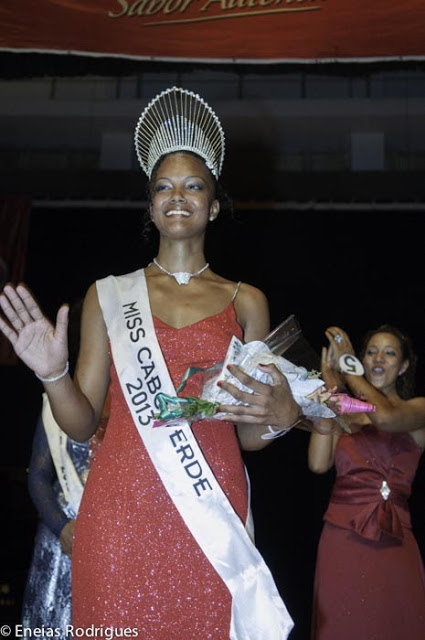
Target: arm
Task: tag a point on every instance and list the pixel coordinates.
(331, 375)
(269, 404)
(76, 405)
(394, 415)
(252, 309)
(41, 476)
(321, 451)
(399, 416)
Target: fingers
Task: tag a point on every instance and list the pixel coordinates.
(333, 389)
(240, 414)
(268, 404)
(260, 395)
(32, 308)
(243, 396)
(251, 409)
(334, 332)
(9, 302)
(276, 375)
(61, 331)
(247, 381)
(339, 342)
(7, 331)
(256, 385)
(331, 358)
(19, 306)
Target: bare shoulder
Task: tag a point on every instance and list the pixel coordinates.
(416, 409)
(252, 293)
(91, 296)
(418, 435)
(93, 365)
(418, 401)
(416, 406)
(93, 358)
(252, 308)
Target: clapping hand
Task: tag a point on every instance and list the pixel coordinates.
(339, 342)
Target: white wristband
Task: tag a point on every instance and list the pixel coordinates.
(54, 378)
(273, 433)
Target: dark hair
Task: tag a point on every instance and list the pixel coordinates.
(405, 383)
(226, 204)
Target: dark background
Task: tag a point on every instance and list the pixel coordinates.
(356, 270)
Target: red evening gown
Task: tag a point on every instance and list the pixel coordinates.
(135, 564)
(370, 581)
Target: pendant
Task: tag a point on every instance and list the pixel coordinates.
(385, 490)
(182, 277)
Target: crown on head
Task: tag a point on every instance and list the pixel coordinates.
(179, 120)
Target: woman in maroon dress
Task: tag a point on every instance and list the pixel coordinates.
(370, 581)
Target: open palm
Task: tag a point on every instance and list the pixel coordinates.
(40, 345)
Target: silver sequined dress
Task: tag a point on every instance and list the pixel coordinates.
(47, 596)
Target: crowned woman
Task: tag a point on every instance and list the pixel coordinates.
(163, 539)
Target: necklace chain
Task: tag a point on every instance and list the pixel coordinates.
(181, 277)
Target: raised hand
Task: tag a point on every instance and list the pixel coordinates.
(40, 345)
(330, 369)
(339, 342)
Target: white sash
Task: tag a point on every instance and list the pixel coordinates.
(68, 477)
(258, 612)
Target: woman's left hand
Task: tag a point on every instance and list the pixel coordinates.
(339, 342)
(271, 404)
(330, 370)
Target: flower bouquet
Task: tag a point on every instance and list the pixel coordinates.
(306, 385)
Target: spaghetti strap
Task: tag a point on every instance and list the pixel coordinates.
(236, 290)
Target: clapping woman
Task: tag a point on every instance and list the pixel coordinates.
(370, 580)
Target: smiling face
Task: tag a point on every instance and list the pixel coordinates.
(183, 195)
(383, 361)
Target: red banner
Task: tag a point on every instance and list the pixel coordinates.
(218, 30)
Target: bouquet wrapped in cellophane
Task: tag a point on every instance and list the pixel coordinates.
(306, 385)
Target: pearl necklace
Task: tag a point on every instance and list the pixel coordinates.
(181, 277)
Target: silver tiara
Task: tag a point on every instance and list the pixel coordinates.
(179, 120)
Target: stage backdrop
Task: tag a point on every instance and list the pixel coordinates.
(14, 231)
(218, 30)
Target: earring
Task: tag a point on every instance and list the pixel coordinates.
(212, 217)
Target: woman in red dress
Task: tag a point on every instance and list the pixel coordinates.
(370, 581)
(163, 549)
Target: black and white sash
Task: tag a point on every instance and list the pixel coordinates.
(258, 611)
